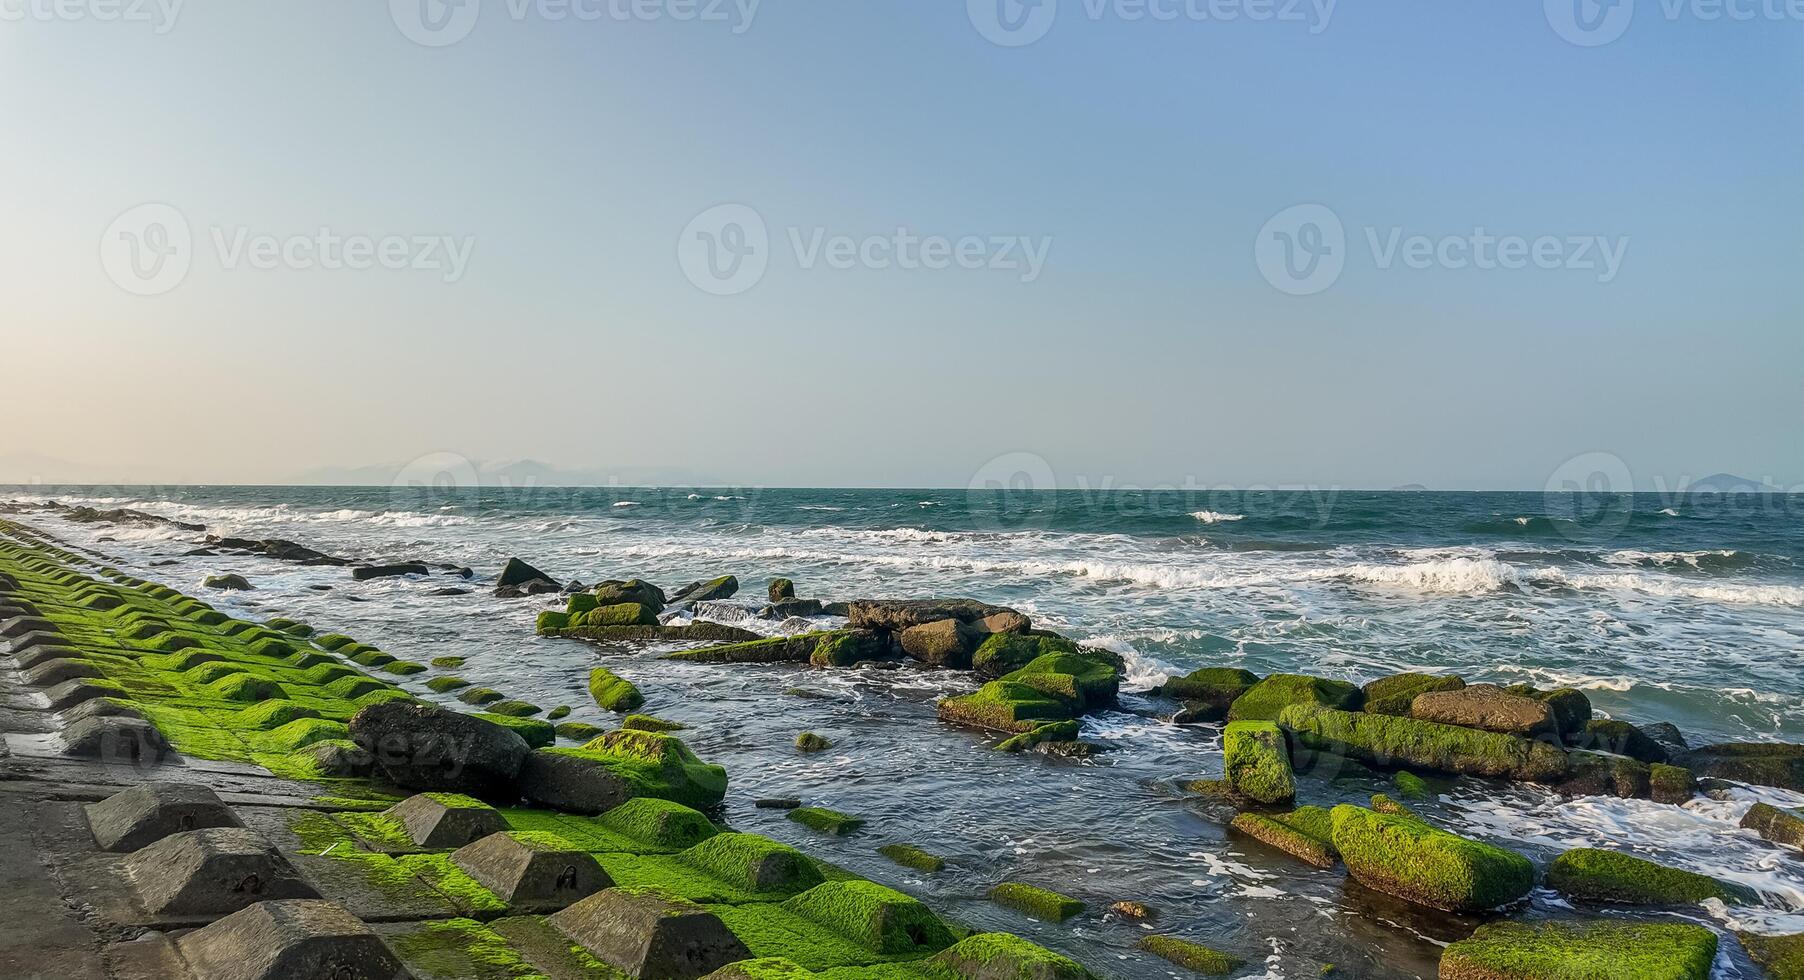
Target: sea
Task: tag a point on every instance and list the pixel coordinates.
(1684, 608)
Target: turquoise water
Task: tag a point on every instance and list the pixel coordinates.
(1688, 609)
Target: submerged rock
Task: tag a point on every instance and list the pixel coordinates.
(1779, 764)
(1192, 956)
(1619, 738)
(613, 692)
(1611, 877)
(237, 583)
(364, 573)
(1776, 825)
(1036, 902)
(1305, 834)
(1607, 950)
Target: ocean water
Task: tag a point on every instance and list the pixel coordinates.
(1688, 609)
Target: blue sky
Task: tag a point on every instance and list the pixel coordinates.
(569, 158)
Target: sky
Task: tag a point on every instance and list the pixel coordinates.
(892, 243)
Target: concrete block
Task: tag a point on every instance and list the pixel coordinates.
(438, 820)
(145, 814)
(532, 872)
(289, 940)
(215, 871)
(650, 935)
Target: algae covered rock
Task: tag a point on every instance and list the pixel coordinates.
(998, 956)
(1382, 740)
(1393, 695)
(1403, 856)
(551, 621)
(1192, 956)
(1781, 956)
(613, 692)
(1776, 825)
(1005, 653)
(228, 583)
(909, 856)
(648, 933)
(1084, 682)
(1571, 707)
(1005, 706)
(1619, 738)
(656, 765)
(1306, 834)
(879, 919)
(614, 592)
(1267, 699)
(1048, 735)
(844, 648)
(944, 643)
(1779, 764)
(825, 820)
(1606, 950)
(1036, 902)
(1599, 774)
(781, 589)
(810, 742)
(1592, 875)
(535, 733)
(899, 614)
(1487, 707)
(1671, 784)
(754, 863)
(1207, 693)
(1258, 762)
(621, 614)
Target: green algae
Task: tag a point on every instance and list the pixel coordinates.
(657, 765)
(1038, 903)
(880, 919)
(1592, 950)
(1383, 740)
(647, 723)
(445, 685)
(537, 734)
(824, 820)
(580, 731)
(810, 742)
(613, 692)
(514, 709)
(910, 856)
(1612, 877)
(461, 948)
(1058, 731)
(660, 823)
(1192, 956)
(1306, 834)
(1411, 786)
(1266, 700)
(1395, 694)
(1258, 763)
(1005, 706)
(1403, 856)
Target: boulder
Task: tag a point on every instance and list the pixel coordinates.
(532, 872)
(146, 813)
(1671, 784)
(1258, 763)
(1611, 877)
(753, 863)
(1776, 825)
(1487, 707)
(1393, 695)
(872, 917)
(115, 738)
(999, 956)
(615, 592)
(423, 746)
(1571, 708)
(656, 765)
(647, 933)
(1777, 764)
(712, 590)
(1306, 834)
(518, 573)
(1039, 903)
(1403, 856)
(789, 608)
(1394, 743)
(844, 648)
(1618, 738)
(944, 643)
(364, 573)
(781, 589)
(1607, 950)
(1667, 736)
(231, 583)
(1209, 692)
(1008, 621)
(282, 940)
(214, 871)
(613, 692)
(621, 614)
(1600, 774)
(1266, 699)
(1781, 956)
(573, 784)
(899, 614)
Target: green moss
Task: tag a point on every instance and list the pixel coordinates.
(824, 820)
(272, 714)
(613, 692)
(322, 675)
(995, 954)
(445, 685)
(448, 663)
(753, 864)
(842, 650)
(1005, 706)
(909, 856)
(1265, 700)
(561, 711)
(581, 602)
(1058, 731)
(355, 686)
(481, 696)
(1036, 902)
(1594, 875)
(1411, 786)
(1403, 856)
(551, 621)
(1781, 956)
(1081, 681)
(1005, 653)
(1384, 804)
(1592, 950)
(1304, 838)
(1258, 763)
(460, 948)
(646, 723)
(810, 742)
(779, 649)
(580, 731)
(1393, 695)
(1210, 684)
(514, 709)
(764, 968)
(302, 733)
(210, 671)
(1671, 784)
(620, 614)
(657, 765)
(659, 822)
(1382, 740)
(1776, 825)
(243, 687)
(1192, 956)
(880, 919)
(537, 734)
(404, 668)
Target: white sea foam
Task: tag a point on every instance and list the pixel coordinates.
(1212, 517)
(1679, 588)
(1669, 512)
(1452, 575)
(626, 503)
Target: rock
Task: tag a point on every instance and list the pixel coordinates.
(1776, 825)
(1305, 834)
(826, 821)
(115, 738)
(1618, 738)
(237, 583)
(1597, 774)
(1038, 903)
(438, 821)
(283, 940)
(781, 589)
(1607, 950)
(1132, 910)
(754, 864)
(615, 592)
(909, 856)
(146, 813)
(846, 648)
(1041, 737)
(1208, 693)
(623, 614)
(1487, 707)
(55, 670)
(517, 573)
(765, 650)
(810, 742)
(573, 784)
(1393, 695)
(656, 765)
(944, 643)
(1008, 621)
(1403, 856)
(338, 759)
(712, 590)
(1777, 764)
(1670, 784)
(422, 746)
(1667, 736)
(1258, 763)
(899, 614)
(613, 692)
(998, 956)
(1385, 741)
(1411, 786)
(364, 573)
(1591, 875)
(1781, 956)
(1571, 708)
(649, 934)
(1005, 706)
(1266, 699)
(538, 586)
(790, 608)
(532, 872)
(1192, 956)
(214, 871)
